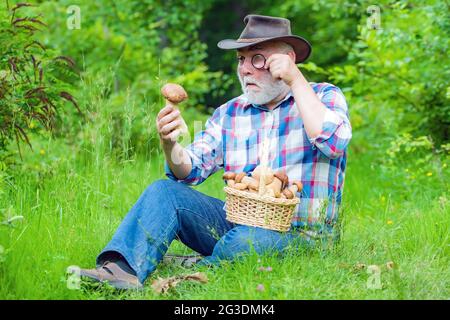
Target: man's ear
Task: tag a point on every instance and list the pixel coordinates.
(292, 55)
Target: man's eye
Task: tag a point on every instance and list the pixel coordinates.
(240, 59)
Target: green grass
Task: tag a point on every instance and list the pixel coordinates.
(72, 205)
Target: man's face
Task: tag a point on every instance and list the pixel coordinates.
(258, 85)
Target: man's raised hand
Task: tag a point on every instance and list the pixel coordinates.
(167, 124)
(283, 67)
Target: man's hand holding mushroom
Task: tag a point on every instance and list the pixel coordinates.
(170, 126)
(170, 123)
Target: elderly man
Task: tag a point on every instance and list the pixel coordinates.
(308, 128)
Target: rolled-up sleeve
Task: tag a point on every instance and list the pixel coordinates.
(205, 153)
(336, 129)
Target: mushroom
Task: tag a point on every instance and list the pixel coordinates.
(174, 94)
(240, 186)
(229, 178)
(283, 178)
(296, 186)
(240, 176)
(280, 179)
(268, 174)
(251, 182)
(288, 194)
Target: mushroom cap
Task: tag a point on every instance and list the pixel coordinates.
(288, 193)
(229, 175)
(283, 178)
(174, 92)
(240, 176)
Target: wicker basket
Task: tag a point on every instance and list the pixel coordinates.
(259, 211)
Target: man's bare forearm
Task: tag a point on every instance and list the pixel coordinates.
(178, 159)
(311, 109)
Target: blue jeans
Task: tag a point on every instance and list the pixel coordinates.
(169, 210)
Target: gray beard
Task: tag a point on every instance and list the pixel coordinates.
(270, 89)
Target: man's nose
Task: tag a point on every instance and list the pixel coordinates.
(246, 67)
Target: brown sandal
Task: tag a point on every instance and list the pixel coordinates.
(111, 273)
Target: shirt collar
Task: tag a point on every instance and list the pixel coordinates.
(263, 107)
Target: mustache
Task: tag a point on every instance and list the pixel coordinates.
(269, 88)
(246, 80)
(269, 81)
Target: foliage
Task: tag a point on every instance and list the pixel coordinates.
(413, 161)
(128, 50)
(32, 77)
(398, 76)
(62, 204)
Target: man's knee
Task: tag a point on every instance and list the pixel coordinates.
(162, 184)
(243, 240)
(163, 187)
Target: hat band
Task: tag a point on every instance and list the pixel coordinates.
(251, 40)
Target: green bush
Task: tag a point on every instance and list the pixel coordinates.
(410, 162)
(34, 80)
(397, 77)
(128, 50)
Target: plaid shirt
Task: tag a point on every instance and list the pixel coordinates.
(233, 138)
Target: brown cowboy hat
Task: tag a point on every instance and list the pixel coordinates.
(264, 28)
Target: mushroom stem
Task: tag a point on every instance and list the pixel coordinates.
(252, 183)
(240, 186)
(275, 186)
(288, 194)
(296, 187)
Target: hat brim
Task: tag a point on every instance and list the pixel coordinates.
(302, 48)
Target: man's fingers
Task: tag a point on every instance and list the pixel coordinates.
(271, 59)
(275, 71)
(166, 129)
(173, 135)
(268, 62)
(164, 111)
(169, 118)
(276, 57)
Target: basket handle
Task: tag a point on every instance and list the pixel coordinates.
(263, 163)
(262, 185)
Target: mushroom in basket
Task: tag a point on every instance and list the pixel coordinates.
(276, 184)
